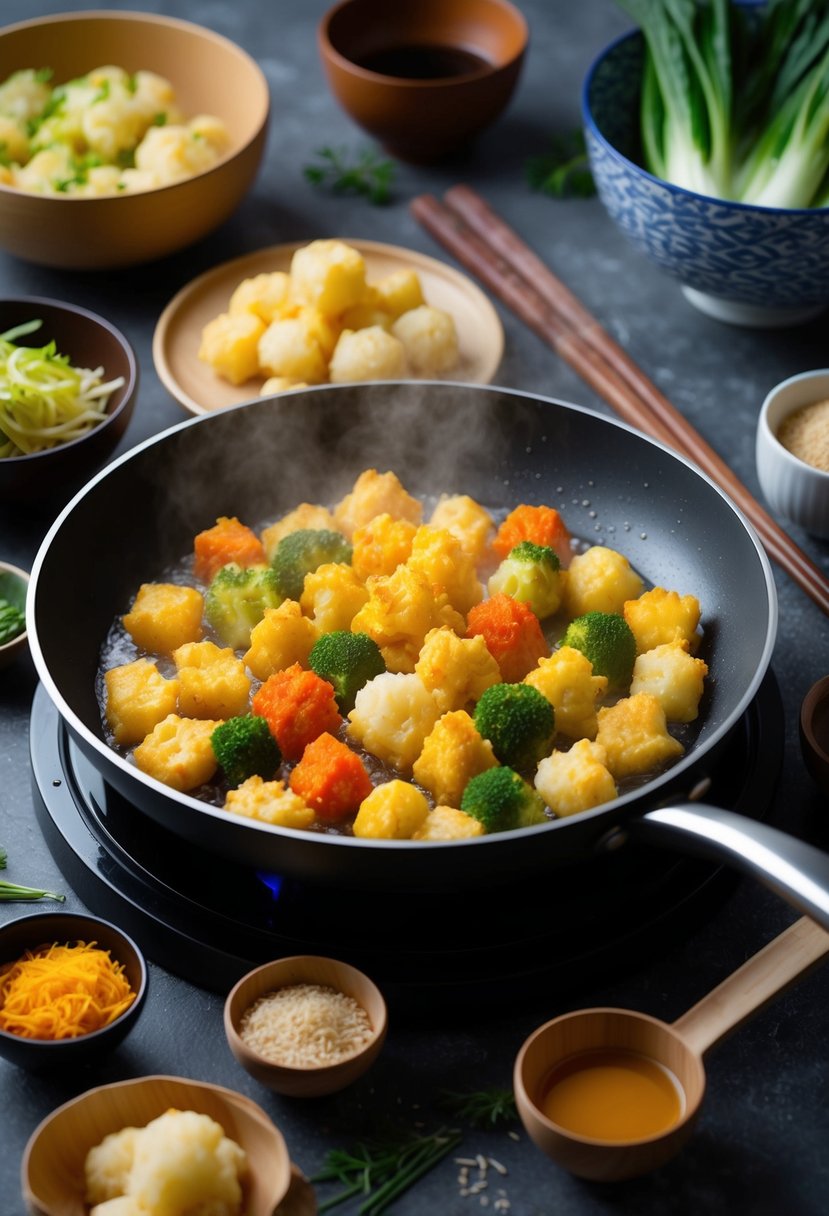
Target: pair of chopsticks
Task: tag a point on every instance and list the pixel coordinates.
(482, 242)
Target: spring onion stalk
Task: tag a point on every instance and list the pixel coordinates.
(12, 892)
(44, 400)
(735, 100)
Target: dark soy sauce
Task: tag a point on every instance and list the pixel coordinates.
(423, 62)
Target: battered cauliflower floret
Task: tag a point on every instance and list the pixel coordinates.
(279, 384)
(468, 520)
(634, 735)
(399, 292)
(178, 151)
(107, 1165)
(674, 677)
(230, 345)
(659, 616)
(308, 516)
(401, 609)
(447, 823)
(212, 682)
(600, 580)
(24, 94)
(178, 752)
(291, 347)
(270, 802)
(381, 545)
(164, 616)
(137, 698)
(575, 780)
(429, 339)
(566, 679)
(452, 754)
(375, 494)
(332, 595)
(439, 556)
(392, 811)
(265, 295)
(367, 354)
(328, 274)
(456, 670)
(283, 637)
(391, 718)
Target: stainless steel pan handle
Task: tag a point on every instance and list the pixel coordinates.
(797, 871)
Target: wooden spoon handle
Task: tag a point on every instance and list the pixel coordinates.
(764, 976)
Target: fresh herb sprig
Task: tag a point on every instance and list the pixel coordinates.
(367, 174)
(10, 891)
(383, 1170)
(12, 621)
(563, 171)
(484, 1108)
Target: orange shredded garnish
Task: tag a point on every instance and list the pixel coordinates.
(61, 992)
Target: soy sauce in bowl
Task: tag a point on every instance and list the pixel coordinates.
(423, 62)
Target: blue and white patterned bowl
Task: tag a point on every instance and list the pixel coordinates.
(762, 266)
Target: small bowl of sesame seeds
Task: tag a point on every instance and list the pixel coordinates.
(792, 450)
(305, 1026)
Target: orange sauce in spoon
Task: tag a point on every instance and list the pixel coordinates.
(612, 1094)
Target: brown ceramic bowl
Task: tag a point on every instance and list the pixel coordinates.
(305, 969)
(52, 1176)
(423, 76)
(44, 928)
(89, 341)
(14, 584)
(814, 733)
(210, 75)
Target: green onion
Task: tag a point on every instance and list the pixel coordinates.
(10, 891)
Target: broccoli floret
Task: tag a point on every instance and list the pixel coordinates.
(245, 747)
(532, 574)
(501, 799)
(347, 661)
(298, 553)
(236, 601)
(608, 642)
(518, 721)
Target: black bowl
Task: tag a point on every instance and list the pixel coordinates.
(43, 928)
(89, 341)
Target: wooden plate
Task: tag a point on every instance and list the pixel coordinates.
(199, 390)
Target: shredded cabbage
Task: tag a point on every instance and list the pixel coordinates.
(44, 400)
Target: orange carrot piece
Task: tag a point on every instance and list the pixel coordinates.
(331, 778)
(227, 541)
(541, 525)
(298, 706)
(512, 633)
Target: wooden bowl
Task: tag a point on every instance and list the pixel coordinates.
(52, 1176)
(305, 969)
(43, 928)
(14, 583)
(209, 74)
(89, 341)
(423, 118)
(814, 733)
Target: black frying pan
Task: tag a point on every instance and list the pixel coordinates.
(502, 447)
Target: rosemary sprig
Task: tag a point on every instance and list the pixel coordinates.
(367, 175)
(382, 1171)
(10, 891)
(481, 1108)
(564, 170)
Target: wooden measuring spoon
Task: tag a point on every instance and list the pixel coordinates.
(678, 1047)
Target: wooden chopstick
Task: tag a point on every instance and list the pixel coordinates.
(482, 242)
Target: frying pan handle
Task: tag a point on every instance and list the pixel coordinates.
(797, 871)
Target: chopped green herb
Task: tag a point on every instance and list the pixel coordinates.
(11, 892)
(382, 1170)
(12, 621)
(564, 170)
(367, 175)
(160, 119)
(481, 1108)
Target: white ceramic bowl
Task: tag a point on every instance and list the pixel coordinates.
(792, 487)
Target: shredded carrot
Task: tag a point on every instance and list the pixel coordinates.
(62, 991)
(298, 705)
(541, 525)
(512, 633)
(331, 778)
(227, 541)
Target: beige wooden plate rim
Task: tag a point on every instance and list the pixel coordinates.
(195, 387)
